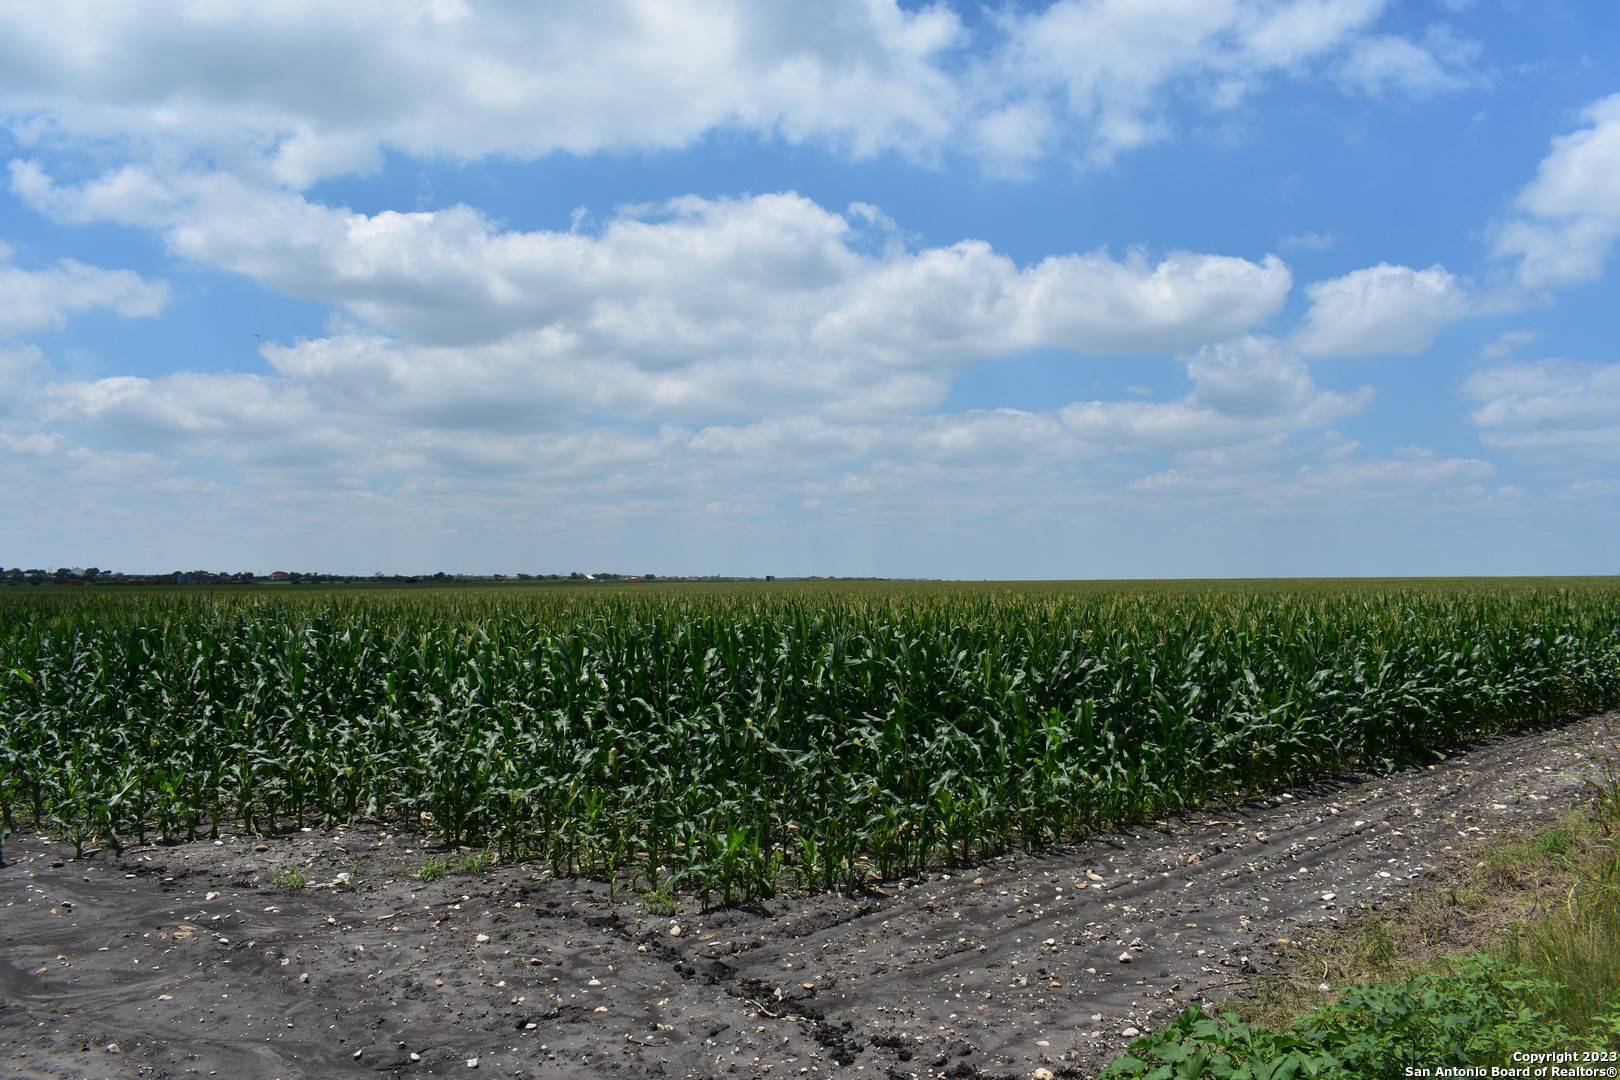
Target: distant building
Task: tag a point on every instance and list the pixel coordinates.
(280, 575)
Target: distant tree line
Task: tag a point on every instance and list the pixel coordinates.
(91, 575)
(95, 576)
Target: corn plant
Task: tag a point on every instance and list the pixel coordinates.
(729, 740)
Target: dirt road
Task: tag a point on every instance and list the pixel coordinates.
(191, 960)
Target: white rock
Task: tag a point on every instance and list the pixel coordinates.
(472, 1063)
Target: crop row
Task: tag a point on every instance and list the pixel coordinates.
(728, 741)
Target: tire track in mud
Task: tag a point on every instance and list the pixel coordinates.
(1021, 963)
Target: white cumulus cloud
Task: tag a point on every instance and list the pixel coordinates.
(1385, 63)
(1558, 405)
(300, 90)
(317, 89)
(35, 300)
(1381, 309)
(1569, 216)
(1109, 71)
(773, 285)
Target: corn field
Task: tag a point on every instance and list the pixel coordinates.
(732, 741)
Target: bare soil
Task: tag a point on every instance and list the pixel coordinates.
(191, 960)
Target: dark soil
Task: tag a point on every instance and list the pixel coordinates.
(191, 960)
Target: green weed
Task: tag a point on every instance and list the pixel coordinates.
(459, 864)
(1549, 981)
(291, 878)
(1476, 1015)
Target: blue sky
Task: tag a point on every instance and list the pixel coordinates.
(1091, 288)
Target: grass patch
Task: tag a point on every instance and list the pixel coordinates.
(659, 901)
(460, 864)
(1520, 951)
(1483, 907)
(1573, 936)
(292, 878)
